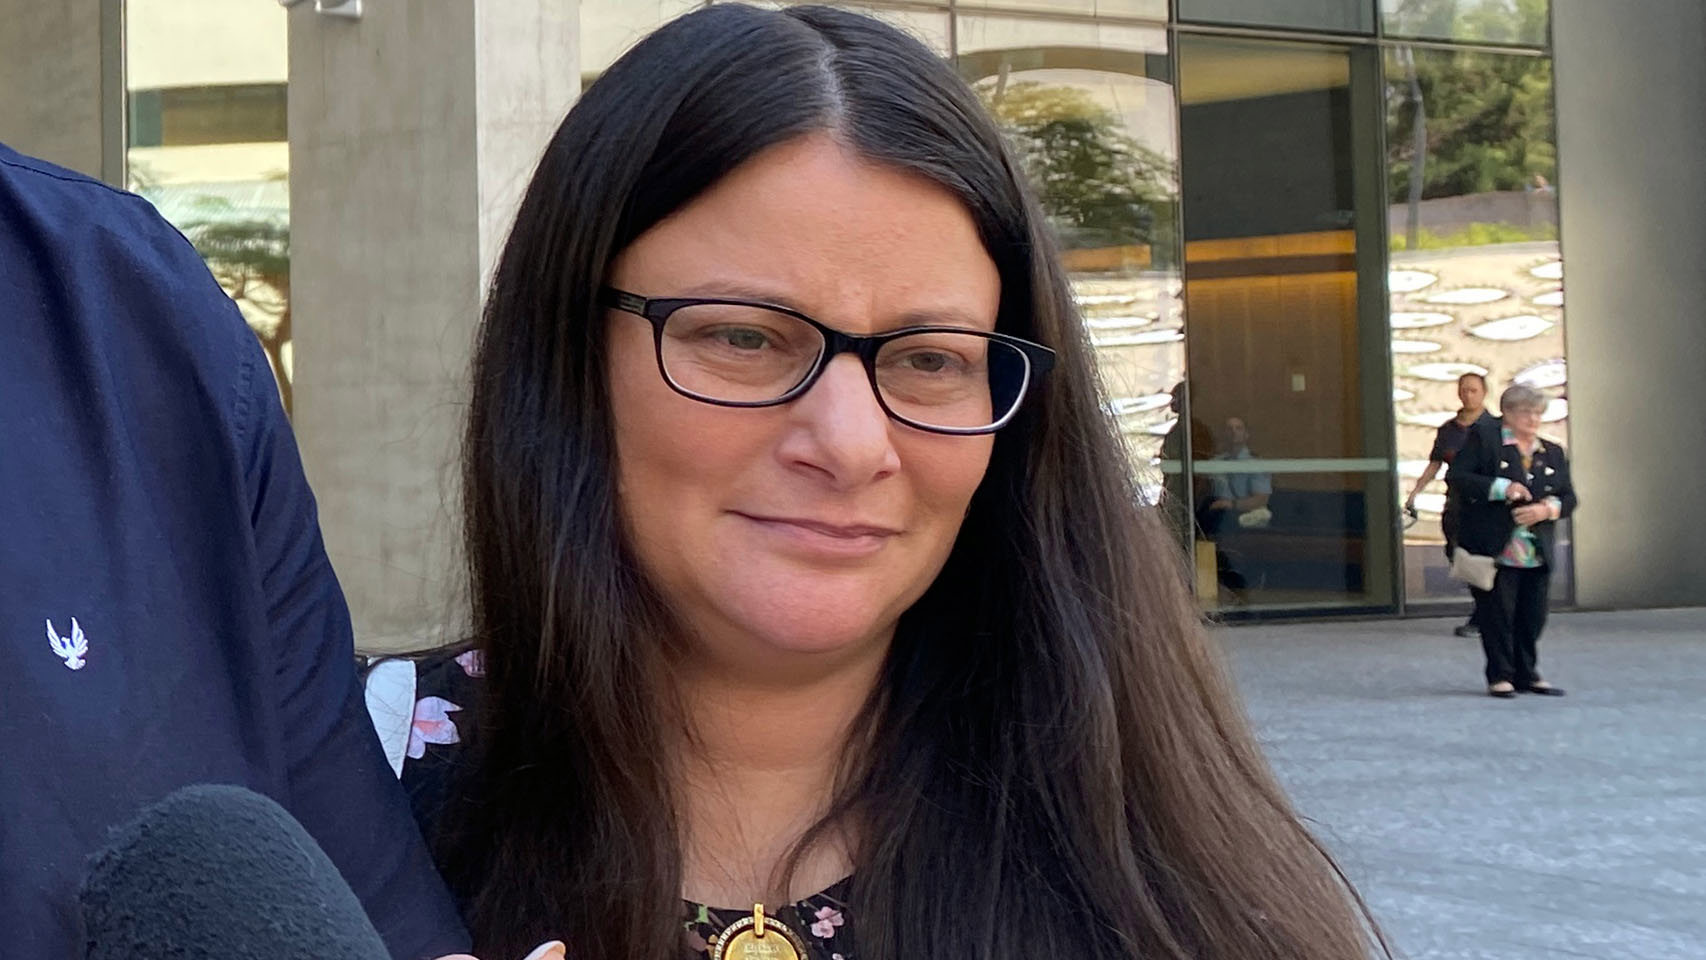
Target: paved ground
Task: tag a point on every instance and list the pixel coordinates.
(1509, 829)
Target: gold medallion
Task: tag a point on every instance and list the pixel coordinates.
(757, 937)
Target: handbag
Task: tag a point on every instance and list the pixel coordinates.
(1475, 570)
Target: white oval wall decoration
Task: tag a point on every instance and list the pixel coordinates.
(1468, 296)
(1409, 281)
(1523, 326)
(1417, 321)
(1444, 371)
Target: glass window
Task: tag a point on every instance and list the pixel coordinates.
(1477, 279)
(1524, 22)
(610, 27)
(1341, 16)
(929, 26)
(1287, 407)
(205, 88)
(1089, 109)
(1153, 9)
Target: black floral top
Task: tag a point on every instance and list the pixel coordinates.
(415, 707)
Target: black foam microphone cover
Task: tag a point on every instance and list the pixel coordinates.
(220, 872)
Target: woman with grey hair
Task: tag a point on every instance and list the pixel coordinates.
(1513, 487)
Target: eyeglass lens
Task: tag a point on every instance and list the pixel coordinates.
(746, 354)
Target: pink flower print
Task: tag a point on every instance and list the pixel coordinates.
(828, 918)
(473, 663)
(432, 725)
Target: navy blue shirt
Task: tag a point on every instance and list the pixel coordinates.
(167, 612)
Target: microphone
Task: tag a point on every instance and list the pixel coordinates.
(220, 873)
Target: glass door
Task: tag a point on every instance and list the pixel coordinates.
(1287, 415)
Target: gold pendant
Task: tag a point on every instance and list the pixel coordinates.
(757, 937)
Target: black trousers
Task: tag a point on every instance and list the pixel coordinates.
(1511, 616)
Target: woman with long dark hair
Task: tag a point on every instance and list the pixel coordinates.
(807, 572)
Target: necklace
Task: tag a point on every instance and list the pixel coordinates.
(758, 937)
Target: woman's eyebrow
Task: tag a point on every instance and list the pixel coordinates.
(946, 317)
(940, 316)
(736, 290)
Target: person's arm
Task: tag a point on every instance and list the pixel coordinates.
(1261, 491)
(1472, 476)
(340, 786)
(1422, 482)
(1220, 493)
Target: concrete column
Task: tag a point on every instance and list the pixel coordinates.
(62, 83)
(412, 132)
(1631, 132)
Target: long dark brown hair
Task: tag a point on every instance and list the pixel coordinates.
(1053, 763)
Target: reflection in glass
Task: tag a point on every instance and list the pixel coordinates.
(610, 27)
(1287, 430)
(1339, 16)
(1089, 110)
(1517, 22)
(207, 145)
(928, 26)
(1471, 166)
(1156, 9)
(1287, 539)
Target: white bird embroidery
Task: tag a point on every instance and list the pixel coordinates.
(72, 650)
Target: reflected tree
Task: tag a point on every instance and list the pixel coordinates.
(1100, 187)
(1486, 21)
(250, 257)
(1470, 122)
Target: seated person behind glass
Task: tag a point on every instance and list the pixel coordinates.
(1238, 497)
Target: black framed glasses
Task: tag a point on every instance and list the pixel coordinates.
(743, 353)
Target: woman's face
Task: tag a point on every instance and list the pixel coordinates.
(1523, 421)
(806, 528)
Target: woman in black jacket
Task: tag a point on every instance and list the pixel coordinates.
(1513, 488)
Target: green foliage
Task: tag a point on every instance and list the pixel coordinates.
(1481, 21)
(1100, 187)
(1476, 235)
(1488, 120)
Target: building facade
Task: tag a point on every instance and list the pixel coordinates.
(1291, 225)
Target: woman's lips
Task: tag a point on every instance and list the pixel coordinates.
(818, 536)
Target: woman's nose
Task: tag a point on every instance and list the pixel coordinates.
(841, 430)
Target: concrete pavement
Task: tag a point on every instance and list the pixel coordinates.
(1512, 829)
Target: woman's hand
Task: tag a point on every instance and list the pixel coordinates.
(1517, 493)
(550, 950)
(1532, 513)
